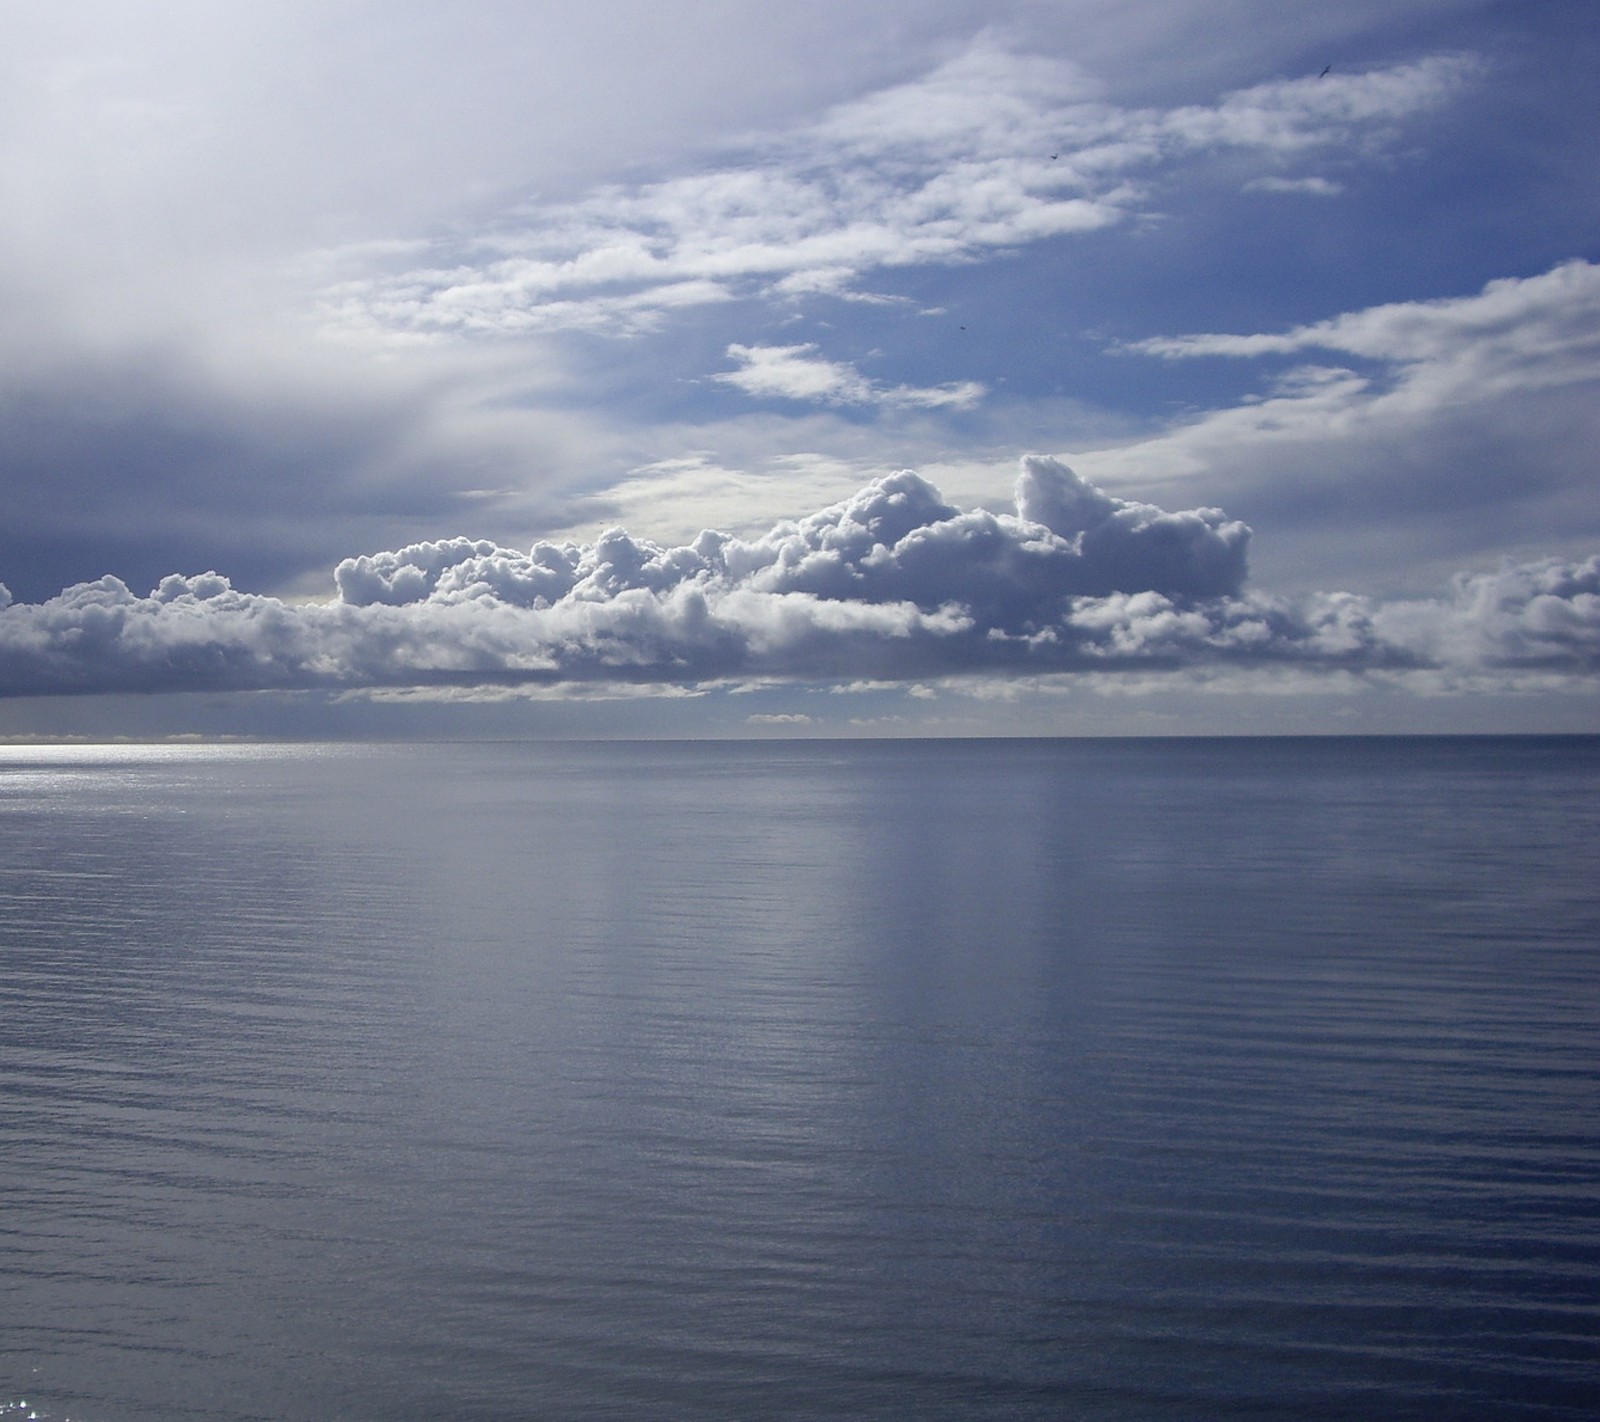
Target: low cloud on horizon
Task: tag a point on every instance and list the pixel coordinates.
(893, 585)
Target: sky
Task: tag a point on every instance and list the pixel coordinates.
(938, 368)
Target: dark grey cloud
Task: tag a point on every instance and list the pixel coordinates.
(893, 583)
(138, 461)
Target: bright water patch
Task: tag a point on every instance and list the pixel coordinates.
(936, 1080)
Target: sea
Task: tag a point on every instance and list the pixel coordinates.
(1066, 1079)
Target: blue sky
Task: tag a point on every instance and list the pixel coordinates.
(1037, 368)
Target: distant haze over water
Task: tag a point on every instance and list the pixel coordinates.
(934, 1080)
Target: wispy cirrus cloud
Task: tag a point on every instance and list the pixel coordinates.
(1313, 185)
(1429, 427)
(799, 373)
(1518, 332)
(990, 151)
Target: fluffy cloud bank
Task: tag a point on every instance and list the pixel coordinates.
(892, 583)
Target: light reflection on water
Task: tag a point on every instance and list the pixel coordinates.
(937, 1080)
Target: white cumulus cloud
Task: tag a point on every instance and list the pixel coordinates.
(893, 584)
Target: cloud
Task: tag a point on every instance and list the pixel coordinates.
(1534, 616)
(1315, 186)
(1428, 431)
(181, 188)
(988, 152)
(893, 584)
(271, 461)
(798, 373)
(895, 542)
(1517, 333)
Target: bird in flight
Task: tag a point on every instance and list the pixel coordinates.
(1327, 69)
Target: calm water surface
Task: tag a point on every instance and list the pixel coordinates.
(1094, 1080)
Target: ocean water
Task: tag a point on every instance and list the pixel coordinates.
(1043, 1079)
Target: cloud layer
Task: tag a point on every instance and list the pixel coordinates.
(990, 151)
(893, 583)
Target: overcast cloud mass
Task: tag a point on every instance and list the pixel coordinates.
(1019, 352)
